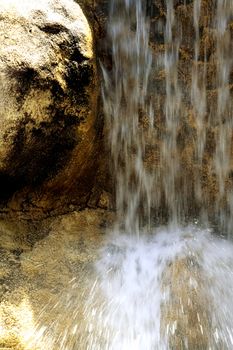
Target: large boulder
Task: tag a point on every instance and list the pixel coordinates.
(48, 101)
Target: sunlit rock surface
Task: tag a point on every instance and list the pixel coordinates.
(48, 136)
(44, 288)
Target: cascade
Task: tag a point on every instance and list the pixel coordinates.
(163, 287)
(138, 309)
(145, 187)
(125, 99)
(223, 115)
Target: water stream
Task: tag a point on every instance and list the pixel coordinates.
(165, 288)
(170, 287)
(125, 99)
(170, 291)
(144, 187)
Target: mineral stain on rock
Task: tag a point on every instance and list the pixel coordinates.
(48, 142)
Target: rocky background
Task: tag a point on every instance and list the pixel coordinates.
(191, 170)
(54, 159)
(53, 154)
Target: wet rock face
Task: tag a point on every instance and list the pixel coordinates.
(194, 176)
(48, 139)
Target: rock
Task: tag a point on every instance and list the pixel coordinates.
(105, 201)
(193, 177)
(48, 136)
(186, 314)
(48, 289)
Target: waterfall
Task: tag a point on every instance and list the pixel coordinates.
(198, 100)
(125, 96)
(169, 157)
(224, 112)
(146, 187)
(172, 288)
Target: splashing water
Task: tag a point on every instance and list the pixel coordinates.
(137, 280)
(171, 289)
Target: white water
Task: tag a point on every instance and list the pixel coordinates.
(171, 289)
(138, 311)
(132, 282)
(125, 99)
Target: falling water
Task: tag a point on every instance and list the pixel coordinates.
(144, 187)
(198, 99)
(172, 109)
(184, 190)
(224, 116)
(172, 288)
(125, 101)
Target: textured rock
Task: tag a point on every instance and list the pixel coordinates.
(43, 293)
(45, 289)
(186, 316)
(192, 174)
(48, 136)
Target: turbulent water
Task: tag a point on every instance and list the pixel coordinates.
(142, 308)
(172, 289)
(168, 288)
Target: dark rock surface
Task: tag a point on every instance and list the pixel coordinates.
(49, 138)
